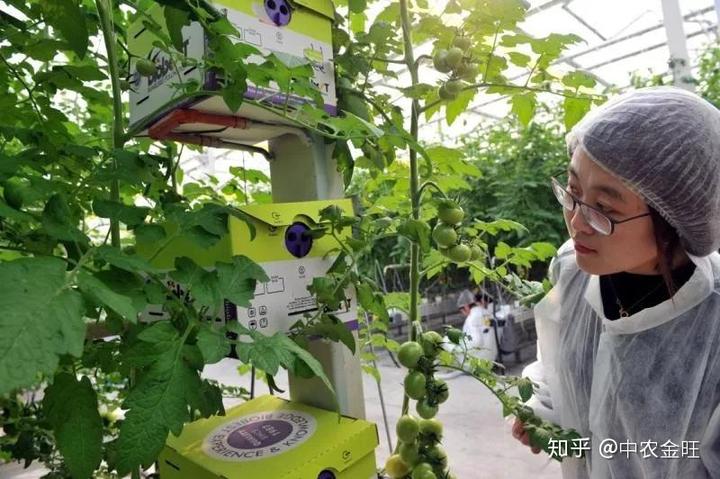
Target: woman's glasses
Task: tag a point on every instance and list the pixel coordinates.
(594, 217)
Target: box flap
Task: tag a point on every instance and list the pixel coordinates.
(284, 214)
(323, 7)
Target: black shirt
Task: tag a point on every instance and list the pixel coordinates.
(631, 288)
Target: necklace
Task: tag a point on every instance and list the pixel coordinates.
(624, 312)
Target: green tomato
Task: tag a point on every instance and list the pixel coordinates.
(407, 428)
(444, 94)
(396, 467)
(354, 104)
(460, 253)
(437, 456)
(409, 453)
(409, 354)
(415, 383)
(468, 72)
(454, 335)
(423, 471)
(425, 410)
(454, 57)
(440, 390)
(13, 193)
(431, 343)
(431, 430)
(462, 42)
(476, 253)
(453, 87)
(450, 212)
(440, 61)
(444, 235)
(145, 67)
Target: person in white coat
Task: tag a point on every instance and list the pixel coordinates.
(629, 335)
(478, 327)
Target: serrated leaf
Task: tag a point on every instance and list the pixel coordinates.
(238, 280)
(502, 250)
(524, 107)
(157, 405)
(371, 301)
(334, 329)
(574, 110)
(202, 285)
(99, 291)
(148, 233)
(72, 409)
(525, 388)
(213, 344)
(357, 6)
(41, 319)
(454, 108)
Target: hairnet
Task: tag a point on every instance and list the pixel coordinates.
(464, 298)
(664, 144)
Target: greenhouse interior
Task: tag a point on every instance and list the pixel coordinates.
(360, 239)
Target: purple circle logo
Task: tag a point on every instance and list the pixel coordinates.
(259, 435)
(278, 11)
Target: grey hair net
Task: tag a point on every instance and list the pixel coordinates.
(465, 298)
(664, 144)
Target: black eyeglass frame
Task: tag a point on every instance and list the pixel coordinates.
(577, 201)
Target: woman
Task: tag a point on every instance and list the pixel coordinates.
(629, 336)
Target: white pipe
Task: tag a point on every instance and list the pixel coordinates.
(679, 58)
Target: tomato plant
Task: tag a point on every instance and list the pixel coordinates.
(79, 192)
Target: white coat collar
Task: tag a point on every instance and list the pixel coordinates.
(692, 293)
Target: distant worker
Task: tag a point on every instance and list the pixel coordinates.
(478, 324)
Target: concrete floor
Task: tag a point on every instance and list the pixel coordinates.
(477, 437)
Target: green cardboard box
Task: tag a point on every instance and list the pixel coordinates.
(272, 438)
(289, 259)
(303, 31)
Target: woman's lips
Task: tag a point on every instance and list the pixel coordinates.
(583, 250)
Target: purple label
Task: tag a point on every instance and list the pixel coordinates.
(259, 434)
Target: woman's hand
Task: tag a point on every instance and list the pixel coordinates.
(519, 433)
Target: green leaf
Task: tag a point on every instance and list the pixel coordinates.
(58, 220)
(454, 108)
(72, 409)
(371, 301)
(202, 285)
(99, 291)
(157, 405)
(525, 388)
(175, 20)
(117, 258)
(524, 107)
(41, 319)
(148, 233)
(357, 6)
(502, 250)
(576, 79)
(238, 280)
(417, 231)
(519, 59)
(332, 328)
(130, 215)
(575, 110)
(213, 344)
(68, 19)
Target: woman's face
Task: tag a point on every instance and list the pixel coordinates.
(631, 247)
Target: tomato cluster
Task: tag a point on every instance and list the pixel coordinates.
(458, 63)
(445, 234)
(419, 454)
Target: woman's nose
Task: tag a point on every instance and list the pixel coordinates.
(578, 222)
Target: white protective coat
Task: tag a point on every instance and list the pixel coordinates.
(651, 377)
